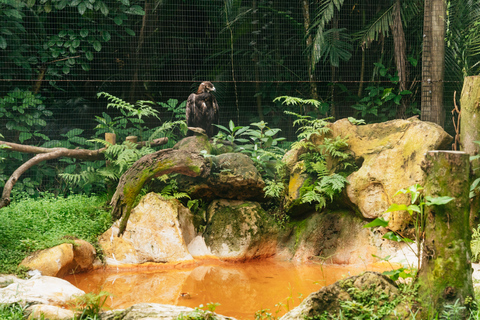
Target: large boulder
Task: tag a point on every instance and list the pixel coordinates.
(156, 311)
(239, 230)
(391, 155)
(155, 233)
(39, 290)
(334, 237)
(329, 299)
(63, 259)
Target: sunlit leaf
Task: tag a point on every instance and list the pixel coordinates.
(378, 222)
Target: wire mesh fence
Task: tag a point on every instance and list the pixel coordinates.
(57, 55)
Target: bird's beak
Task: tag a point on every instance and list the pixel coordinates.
(213, 89)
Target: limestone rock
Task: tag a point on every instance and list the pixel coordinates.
(328, 298)
(392, 154)
(152, 311)
(155, 233)
(239, 230)
(62, 259)
(39, 290)
(83, 256)
(44, 311)
(333, 237)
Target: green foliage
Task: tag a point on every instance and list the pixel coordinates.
(258, 141)
(416, 209)
(326, 182)
(59, 49)
(13, 311)
(97, 175)
(34, 224)
(89, 305)
(130, 122)
(23, 118)
(381, 101)
(170, 191)
(178, 110)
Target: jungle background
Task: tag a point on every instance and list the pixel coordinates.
(357, 58)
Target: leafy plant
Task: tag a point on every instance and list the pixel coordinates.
(91, 175)
(200, 313)
(177, 110)
(258, 141)
(416, 209)
(23, 117)
(381, 101)
(130, 122)
(89, 305)
(325, 183)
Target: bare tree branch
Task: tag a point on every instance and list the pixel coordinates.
(43, 154)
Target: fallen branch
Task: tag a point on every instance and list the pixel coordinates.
(150, 166)
(43, 154)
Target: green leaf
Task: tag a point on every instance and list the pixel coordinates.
(135, 9)
(414, 207)
(89, 55)
(84, 32)
(118, 20)
(397, 207)
(438, 200)
(85, 67)
(392, 236)
(130, 31)
(125, 2)
(106, 36)
(97, 45)
(72, 133)
(82, 8)
(378, 222)
(3, 43)
(397, 99)
(66, 69)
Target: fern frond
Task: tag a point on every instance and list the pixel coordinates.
(335, 146)
(273, 188)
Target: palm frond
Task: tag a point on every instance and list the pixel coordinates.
(323, 17)
(379, 26)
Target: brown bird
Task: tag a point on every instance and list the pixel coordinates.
(202, 109)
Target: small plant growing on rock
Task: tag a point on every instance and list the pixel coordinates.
(200, 313)
(416, 209)
(327, 179)
(89, 305)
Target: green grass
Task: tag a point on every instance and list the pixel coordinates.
(11, 312)
(28, 225)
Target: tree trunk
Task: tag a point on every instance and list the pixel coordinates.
(151, 166)
(433, 61)
(470, 132)
(400, 56)
(308, 41)
(445, 275)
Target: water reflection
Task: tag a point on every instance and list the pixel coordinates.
(240, 288)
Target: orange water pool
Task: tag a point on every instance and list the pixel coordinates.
(241, 288)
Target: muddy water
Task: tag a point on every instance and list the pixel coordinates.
(240, 288)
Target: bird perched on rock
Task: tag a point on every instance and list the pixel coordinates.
(202, 109)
